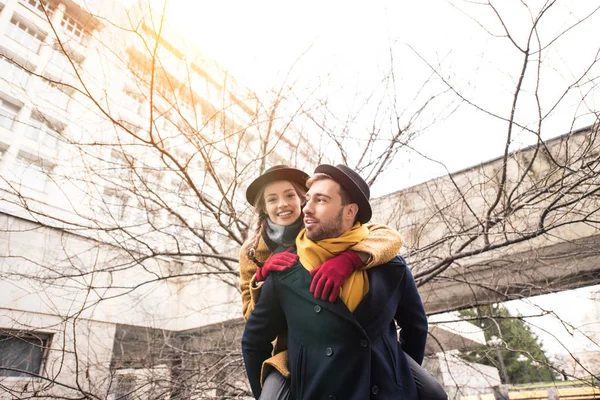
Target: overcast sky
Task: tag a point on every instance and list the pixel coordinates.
(350, 44)
(573, 315)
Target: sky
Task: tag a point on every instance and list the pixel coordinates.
(574, 315)
(347, 46)
(350, 44)
(564, 322)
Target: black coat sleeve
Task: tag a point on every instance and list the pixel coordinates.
(265, 323)
(411, 318)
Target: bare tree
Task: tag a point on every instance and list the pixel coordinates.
(525, 223)
(122, 200)
(125, 155)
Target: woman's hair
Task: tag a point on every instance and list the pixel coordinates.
(261, 216)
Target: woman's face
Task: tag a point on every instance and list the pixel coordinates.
(282, 204)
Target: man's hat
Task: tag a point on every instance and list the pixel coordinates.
(354, 185)
(275, 173)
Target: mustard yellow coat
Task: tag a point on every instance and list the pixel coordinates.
(382, 245)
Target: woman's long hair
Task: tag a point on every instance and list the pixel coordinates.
(261, 216)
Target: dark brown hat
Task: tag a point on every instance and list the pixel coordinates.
(275, 173)
(354, 185)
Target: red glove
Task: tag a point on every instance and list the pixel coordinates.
(329, 277)
(277, 262)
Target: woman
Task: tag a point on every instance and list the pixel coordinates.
(278, 196)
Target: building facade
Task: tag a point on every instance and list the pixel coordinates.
(124, 156)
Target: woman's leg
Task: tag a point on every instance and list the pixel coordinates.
(276, 387)
(428, 388)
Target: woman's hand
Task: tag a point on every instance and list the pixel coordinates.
(329, 277)
(277, 262)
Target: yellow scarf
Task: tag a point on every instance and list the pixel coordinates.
(314, 254)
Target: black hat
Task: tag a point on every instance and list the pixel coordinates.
(354, 185)
(275, 173)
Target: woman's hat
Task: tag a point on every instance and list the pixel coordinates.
(273, 174)
(354, 185)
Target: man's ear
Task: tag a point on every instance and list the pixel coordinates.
(351, 211)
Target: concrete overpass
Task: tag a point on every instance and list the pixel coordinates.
(548, 269)
(542, 236)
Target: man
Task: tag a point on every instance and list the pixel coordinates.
(348, 349)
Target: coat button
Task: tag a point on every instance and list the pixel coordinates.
(328, 351)
(375, 389)
(364, 343)
(317, 308)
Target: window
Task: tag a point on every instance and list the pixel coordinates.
(154, 179)
(119, 164)
(175, 268)
(62, 56)
(39, 6)
(115, 204)
(72, 27)
(162, 86)
(179, 186)
(140, 71)
(56, 95)
(26, 35)
(128, 129)
(13, 73)
(135, 102)
(42, 131)
(60, 61)
(125, 387)
(117, 158)
(30, 173)
(156, 216)
(22, 352)
(138, 213)
(8, 113)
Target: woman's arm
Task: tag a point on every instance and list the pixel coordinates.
(249, 286)
(381, 246)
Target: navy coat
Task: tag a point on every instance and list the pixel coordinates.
(334, 353)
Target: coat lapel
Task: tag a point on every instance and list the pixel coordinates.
(298, 279)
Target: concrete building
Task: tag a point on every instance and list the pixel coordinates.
(124, 155)
(461, 378)
(580, 365)
(590, 324)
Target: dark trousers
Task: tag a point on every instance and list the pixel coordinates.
(428, 388)
(277, 387)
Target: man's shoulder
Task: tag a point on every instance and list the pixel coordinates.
(397, 261)
(397, 266)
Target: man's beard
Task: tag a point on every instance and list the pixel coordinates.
(326, 230)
